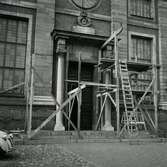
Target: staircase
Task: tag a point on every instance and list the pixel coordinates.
(67, 137)
(131, 118)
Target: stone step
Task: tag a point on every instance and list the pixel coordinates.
(56, 141)
(51, 137)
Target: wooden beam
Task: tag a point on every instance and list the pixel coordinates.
(44, 123)
(79, 95)
(98, 84)
(101, 113)
(76, 89)
(145, 93)
(112, 100)
(93, 84)
(155, 96)
(29, 122)
(113, 35)
(13, 87)
(117, 83)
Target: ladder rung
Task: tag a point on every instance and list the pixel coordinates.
(127, 102)
(129, 98)
(126, 82)
(126, 86)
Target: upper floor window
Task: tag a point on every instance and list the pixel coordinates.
(141, 49)
(142, 8)
(13, 44)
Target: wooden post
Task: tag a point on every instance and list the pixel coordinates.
(155, 87)
(117, 83)
(155, 98)
(59, 109)
(102, 117)
(30, 102)
(66, 83)
(79, 95)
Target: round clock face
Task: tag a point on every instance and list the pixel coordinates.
(86, 4)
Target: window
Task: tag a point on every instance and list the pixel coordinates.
(142, 8)
(141, 50)
(13, 43)
(140, 81)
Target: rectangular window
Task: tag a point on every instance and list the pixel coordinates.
(142, 8)
(140, 81)
(13, 43)
(141, 49)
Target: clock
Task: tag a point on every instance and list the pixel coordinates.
(86, 4)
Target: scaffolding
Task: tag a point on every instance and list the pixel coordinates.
(132, 117)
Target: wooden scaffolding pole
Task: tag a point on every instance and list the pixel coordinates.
(155, 87)
(79, 95)
(117, 83)
(155, 96)
(30, 100)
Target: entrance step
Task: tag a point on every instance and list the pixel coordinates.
(65, 137)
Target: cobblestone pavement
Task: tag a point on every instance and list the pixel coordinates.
(43, 156)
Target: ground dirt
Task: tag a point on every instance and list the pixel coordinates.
(87, 155)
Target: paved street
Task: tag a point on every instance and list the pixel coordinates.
(88, 155)
(43, 156)
(123, 154)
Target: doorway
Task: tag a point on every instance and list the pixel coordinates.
(87, 94)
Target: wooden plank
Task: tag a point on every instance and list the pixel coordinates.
(76, 89)
(145, 93)
(44, 123)
(29, 122)
(13, 87)
(111, 99)
(93, 83)
(117, 83)
(101, 113)
(112, 37)
(79, 95)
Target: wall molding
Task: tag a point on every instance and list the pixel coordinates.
(64, 11)
(19, 3)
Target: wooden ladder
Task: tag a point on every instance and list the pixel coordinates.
(129, 118)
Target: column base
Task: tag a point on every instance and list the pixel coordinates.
(108, 127)
(59, 127)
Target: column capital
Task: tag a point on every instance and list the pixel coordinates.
(61, 45)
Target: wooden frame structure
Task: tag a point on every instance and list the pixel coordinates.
(103, 94)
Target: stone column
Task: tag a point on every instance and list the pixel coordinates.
(60, 53)
(107, 125)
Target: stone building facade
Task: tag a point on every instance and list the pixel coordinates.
(54, 30)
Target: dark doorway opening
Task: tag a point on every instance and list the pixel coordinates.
(87, 94)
